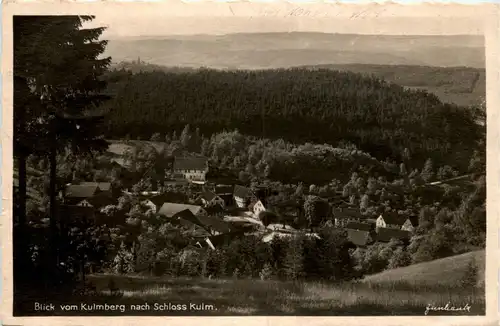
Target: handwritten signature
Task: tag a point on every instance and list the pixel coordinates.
(371, 12)
(447, 307)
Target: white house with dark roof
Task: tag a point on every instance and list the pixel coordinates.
(257, 207)
(410, 224)
(209, 199)
(193, 169)
(345, 215)
(243, 196)
(390, 220)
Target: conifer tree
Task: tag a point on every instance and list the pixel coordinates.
(58, 86)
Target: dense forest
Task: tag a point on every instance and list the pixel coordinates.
(297, 105)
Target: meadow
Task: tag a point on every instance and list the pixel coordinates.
(403, 291)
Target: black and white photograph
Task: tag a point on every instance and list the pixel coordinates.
(276, 163)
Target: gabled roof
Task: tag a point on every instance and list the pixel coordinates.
(223, 189)
(347, 212)
(81, 191)
(103, 186)
(208, 195)
(187, 218)
(226, 197)
(190, 163)
(186, 222)
(214, 210)
(226, 238)
(214, 223)
(200, 233)
(359, 237)
(393, 218)
(242, 192)
(171, 209)
(386, 234)
(360, 226)
(167, 197)
(414, 220)
(255, 202)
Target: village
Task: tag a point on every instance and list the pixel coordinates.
(218, 213)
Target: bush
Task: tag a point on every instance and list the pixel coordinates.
(267, 272)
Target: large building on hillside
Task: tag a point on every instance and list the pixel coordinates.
(193, 169)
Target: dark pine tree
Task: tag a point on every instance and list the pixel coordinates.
(58, 88)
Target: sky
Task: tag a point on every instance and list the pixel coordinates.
(156, 19)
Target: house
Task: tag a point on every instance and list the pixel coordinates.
(209, 198)
(215, 210)
(97, 201)
(220, 240)
(103, 186)
(172, 210)
(188, 217)
(410, 224)
(155, 202)
(243, 196)
(263, 192)
(223, 189)
(390, 220)
(360, 226)
(257, 207)
(360, 238)
(214, 225)
(387, 234)
(75, 194)
(193, 169)
(344, 215)
(225, 192)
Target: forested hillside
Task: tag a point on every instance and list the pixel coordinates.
(298, 105)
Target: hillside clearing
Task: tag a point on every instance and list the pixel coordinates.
(257, 297)
(446, 271)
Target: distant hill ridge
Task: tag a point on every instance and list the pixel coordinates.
(278, 50)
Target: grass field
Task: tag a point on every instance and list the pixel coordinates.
(447, 271)
(405, 291)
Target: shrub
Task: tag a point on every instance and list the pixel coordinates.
(266, 272)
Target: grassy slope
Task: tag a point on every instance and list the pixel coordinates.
(446, 271)
(403, 291)
(257, 297)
